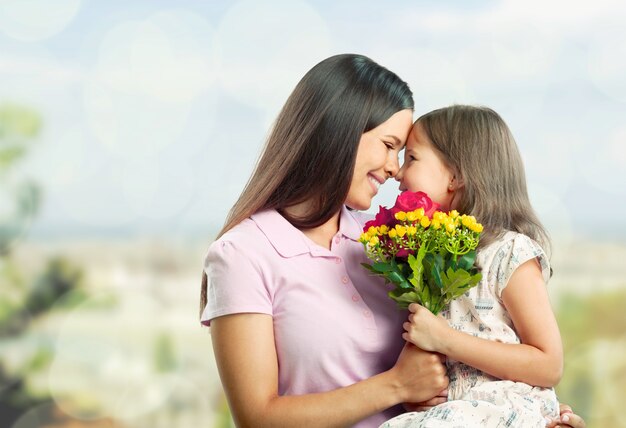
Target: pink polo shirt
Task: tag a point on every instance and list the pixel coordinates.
(334, 324)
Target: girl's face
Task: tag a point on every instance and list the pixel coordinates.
(377, 158)
(424, 170)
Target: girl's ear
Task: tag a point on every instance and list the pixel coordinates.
(456, 183)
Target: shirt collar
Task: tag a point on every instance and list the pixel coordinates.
(289, 241)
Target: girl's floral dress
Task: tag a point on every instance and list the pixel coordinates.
(477, 399)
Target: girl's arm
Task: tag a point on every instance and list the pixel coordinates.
(246, 359)
(538, 360)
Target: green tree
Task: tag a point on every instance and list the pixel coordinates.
(23, 301)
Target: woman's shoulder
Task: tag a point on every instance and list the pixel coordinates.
(361, 217)
(242, 237)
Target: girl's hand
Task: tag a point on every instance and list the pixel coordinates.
(567, 418)
(425, 330)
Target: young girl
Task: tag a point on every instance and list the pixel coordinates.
(501, 338)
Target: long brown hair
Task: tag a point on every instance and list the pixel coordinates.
(476, 143)
(311, 150)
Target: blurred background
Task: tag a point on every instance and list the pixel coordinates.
(127, 130)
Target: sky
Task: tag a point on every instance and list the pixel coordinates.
(154, 112)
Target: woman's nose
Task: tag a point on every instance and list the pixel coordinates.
(392, 167)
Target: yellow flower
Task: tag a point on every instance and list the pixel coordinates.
(411, 216)
(439, 216)
(436, 224)
(400, 215)
(453, 213)
(425, 222)
(450, 227)
(477, 228)
(400, 230)
(392, 233)
(374, 241)
(468, 221)
(365, 237)
(411, 230)
(383, 229)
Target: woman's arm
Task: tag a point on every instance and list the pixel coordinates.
(538, 360)
(246, 359)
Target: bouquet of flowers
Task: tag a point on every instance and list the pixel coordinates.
(427, 254)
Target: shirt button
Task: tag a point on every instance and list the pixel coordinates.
(337, 260)
(355, 298)
(367, 314)
(345, 279)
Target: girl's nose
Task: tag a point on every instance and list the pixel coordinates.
(399, 178)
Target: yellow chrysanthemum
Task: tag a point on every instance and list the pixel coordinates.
(373, 230)
(365, 237)
(425, 222)
(411, 216)
(436, 224)
(392, 233)
(411, 230)
(383, 229)
(453, 213)
(374, 241)
(400, 215)
(400, 230)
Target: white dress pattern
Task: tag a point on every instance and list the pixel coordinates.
(476, 399)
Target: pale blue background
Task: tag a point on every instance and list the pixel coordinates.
(155, 111)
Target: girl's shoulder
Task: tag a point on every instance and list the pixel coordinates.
(511, 249)
(509, 239)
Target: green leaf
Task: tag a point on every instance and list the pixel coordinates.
(436, 275)
(368, 267)
(417, 267)
(466, 261)
(382, 267)
(397, 278)
(404, 299)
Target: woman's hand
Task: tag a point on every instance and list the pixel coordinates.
(420, 375)
(567, 418)
(425, 330)
(440, 398)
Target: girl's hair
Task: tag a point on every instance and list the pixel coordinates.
(311, 150)
(479, 147)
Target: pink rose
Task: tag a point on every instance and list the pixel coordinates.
(384, 216)
(410, 201)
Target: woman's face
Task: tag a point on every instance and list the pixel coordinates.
(424, 170)
(377, 158)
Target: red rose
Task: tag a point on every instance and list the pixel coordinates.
(384, 216)
(410, 201)
(403, 253)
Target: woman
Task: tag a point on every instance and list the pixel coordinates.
(301, 335)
